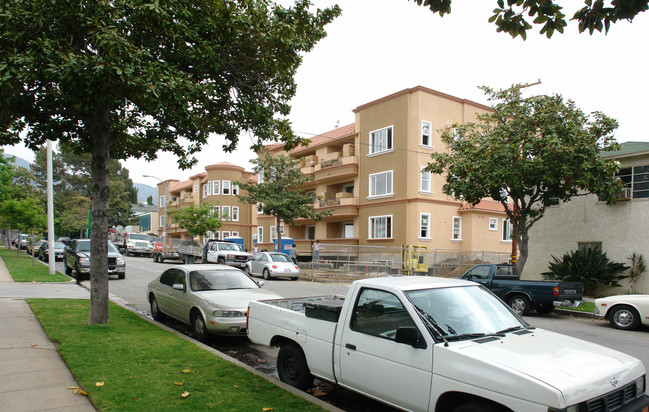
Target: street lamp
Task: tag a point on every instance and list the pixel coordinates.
(164, 228)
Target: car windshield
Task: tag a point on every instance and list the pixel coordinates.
(201, 280)
(280, 257)
(85, 247)
(464, 312)
(229, 246)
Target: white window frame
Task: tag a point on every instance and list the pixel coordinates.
(226, 233)
(374, 219)
(226, 213)
(428, 145)
(273, 232)
(162, 220)
(217, 235)
(493, 223)
(389, 185)
(205, 187)
(424, 226)
(260, 234)
(235, 213)
(374, 149)
(215, 211)
(162, 201)
(260, 177)
(226, 187)
(425, 183)
(456, 229)
(216, 187)
(507, 231)
(235, 190)
(235, 234)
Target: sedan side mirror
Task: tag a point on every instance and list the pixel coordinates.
(179, 286)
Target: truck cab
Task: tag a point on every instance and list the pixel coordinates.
(226, 253)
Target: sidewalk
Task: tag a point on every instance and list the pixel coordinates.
(33, 376)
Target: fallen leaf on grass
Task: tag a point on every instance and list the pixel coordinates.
(178, 383)
(184, 394)
(99, 383)
(186, 371)
(236, 386)
(267, 409)
(76, 390)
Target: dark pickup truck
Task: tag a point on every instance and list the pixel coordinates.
(524, 295)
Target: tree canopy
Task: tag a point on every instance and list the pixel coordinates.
(509, 16)
(528, 153)
(197, 220)
(277, 192)
(130, 78)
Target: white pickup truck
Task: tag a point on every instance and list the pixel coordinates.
(434, 344)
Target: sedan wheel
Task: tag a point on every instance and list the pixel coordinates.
(155, 310)
(266, 274)
(199, 328)
(624, 317)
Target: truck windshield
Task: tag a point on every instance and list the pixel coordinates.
(464, 312)
(134, 236)
(229, 246)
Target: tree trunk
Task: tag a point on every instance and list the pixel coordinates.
(523, 248)
(279, 236)
(100, 134)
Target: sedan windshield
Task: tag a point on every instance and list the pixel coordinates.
(280, 257)
(464, 312)
(220, 280)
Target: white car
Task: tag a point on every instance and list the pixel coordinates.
(624, 311)
(272, 265)
(212, 299)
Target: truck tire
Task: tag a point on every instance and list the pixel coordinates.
(624, 317)
(520, 303)
(221, 261)
(544, 308)
(68, 270)
(292, 367)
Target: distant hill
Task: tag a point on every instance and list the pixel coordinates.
(18, 161)
(144, 191)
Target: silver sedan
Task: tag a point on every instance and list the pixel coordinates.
(212, 299)
(272, 265)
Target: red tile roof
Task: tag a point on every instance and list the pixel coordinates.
(485, 205)
(225, 165)
(339, 133)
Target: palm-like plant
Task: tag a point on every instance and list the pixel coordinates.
(637, 270)
(588, 266)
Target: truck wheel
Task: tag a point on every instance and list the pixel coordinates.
(198, 327)
(624, 317)
(68, 270)
(155, 310)
(520, 303)
(221, 261)
(475, 406)
(292, 367)
(121, 275)
(155, 257)
(544, 309)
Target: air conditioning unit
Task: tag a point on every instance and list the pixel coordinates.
(626, 194)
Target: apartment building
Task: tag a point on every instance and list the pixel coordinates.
(370, 173)
(217, 186)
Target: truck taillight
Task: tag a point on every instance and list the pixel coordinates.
(555, 291)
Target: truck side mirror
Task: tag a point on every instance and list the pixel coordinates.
(410, 336)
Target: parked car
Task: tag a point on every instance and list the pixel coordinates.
(625, 312)
(43, 251)
(212, 299)
(272, 265)
(32, 247)
(76, 258)
(22, 241)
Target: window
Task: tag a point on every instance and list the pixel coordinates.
(235, 234)
(217, 235)
(348, 188)
(235, 190)
(457, 228)
(424, 187)
(216, 187)
(162, 220)
(195, 188)
(379, 313)
(493, 223)
(424, 226)
(225, 213)
(381, 184)
(205, 189)
(260, 234)
(226, 187)
(507, 230)
(260, 177)
(425, 133)
(162, 201)
(380, 227)
(235, 213)
(215, 211)
(273, 232)
(226, 233)
(589, 245)
(310, 232)
(348, 230)
(381, 140)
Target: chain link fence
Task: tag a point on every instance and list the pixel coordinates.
(350, 262)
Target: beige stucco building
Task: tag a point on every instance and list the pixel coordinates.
(370, 174)
(586, 221)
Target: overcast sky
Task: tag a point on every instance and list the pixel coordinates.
(379, 47)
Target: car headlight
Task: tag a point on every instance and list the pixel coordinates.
(573, 408)
(228, 313)
(119, 260)
(640, 386)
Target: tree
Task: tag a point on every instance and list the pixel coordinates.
(129, 78)
(510, 18)
(526, 154)
(197, 220)
(6, 187)
(149, 200)
(278, 191)
(73, 217)
(23, 215)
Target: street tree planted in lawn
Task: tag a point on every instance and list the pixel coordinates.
(528, 153)
(277, 192)
(197, 220)
(510, 17)
(25, 215)
(132, 78)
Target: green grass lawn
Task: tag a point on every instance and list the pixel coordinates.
(142, 367)
(588, 307)
(23, 269)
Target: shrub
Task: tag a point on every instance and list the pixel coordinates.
(588, 266)
(637, 270)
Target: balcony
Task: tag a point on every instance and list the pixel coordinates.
(336, 169)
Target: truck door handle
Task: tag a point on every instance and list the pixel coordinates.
(350, 346)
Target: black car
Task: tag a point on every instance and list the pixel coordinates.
(77, 260)
(43, 251)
